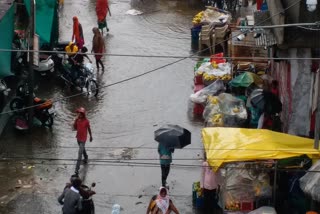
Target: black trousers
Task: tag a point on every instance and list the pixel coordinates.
(209, 201)
(165, 169)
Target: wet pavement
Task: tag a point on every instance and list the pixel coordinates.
(123, 158)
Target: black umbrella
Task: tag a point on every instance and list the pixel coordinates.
(173, 136)
(266, 101)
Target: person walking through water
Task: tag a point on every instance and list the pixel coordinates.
(165, 154)
(102, 9)
(98, 47)
(82, 126)
(161, 204)
(77, 34)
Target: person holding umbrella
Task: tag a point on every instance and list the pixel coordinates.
(169, 138)
(165, 155)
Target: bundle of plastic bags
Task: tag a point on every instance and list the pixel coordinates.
(309, 183)
(201, 96)
(225, 110)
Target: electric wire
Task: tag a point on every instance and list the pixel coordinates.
(187, 148)
(249, 165)
(169, 56)
(127, 160)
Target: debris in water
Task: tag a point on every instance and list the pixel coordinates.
(134, 12)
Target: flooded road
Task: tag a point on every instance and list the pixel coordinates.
(123, 158)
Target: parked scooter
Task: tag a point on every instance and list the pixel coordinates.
(85, 77)
(46, 64)
(43, 110)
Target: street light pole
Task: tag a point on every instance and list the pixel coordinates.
(30, 63)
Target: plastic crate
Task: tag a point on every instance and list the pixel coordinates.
(198, 80)
(246, 206)
(198, 109)
(198, 87)
(199, 202)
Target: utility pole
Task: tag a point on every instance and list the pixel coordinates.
(30, 63)
(317, 125)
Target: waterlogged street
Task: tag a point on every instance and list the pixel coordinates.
(123, 158)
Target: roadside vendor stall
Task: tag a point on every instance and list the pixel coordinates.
(251, 161)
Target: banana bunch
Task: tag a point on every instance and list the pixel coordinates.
(213, 100)
(209, 77)
(217, 120)
(197, 18)
(226, 77)
(199, 73)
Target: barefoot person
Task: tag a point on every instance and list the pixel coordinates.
(98, 47)
(102, 9)
(162, 204)
(77, 34)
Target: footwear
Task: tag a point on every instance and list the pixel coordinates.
(85, 161)
(107, 29)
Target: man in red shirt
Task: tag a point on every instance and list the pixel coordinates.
(82, 126)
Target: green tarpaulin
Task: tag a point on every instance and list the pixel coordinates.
(6, 35)
(46, 23)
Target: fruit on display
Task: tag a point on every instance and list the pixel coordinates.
(236, 110)
(197, 18)
(210, 77)
(233, 205)
(213, 100)
(217, 120)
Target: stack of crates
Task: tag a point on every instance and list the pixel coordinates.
(196, 198)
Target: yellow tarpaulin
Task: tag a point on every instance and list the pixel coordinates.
(224, 145)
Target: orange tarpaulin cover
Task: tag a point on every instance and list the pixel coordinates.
(102, 9)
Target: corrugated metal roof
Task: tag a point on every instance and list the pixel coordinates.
(4, 7)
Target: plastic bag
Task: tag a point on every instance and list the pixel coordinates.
(309, 183)
(200, 97)
(242, 183)
(225, 110)
(264, 210)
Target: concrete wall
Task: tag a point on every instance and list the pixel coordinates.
(300, 86)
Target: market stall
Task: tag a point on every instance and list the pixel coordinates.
(251, 160)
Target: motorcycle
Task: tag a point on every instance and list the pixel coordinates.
(85, 77)
(43, 110)
(87, 201)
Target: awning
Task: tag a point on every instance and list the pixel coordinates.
(45, 13)
(223, 145)
(6, 35)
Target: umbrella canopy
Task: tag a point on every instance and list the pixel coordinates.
(173, 136)
(245, 80)
(265, 101)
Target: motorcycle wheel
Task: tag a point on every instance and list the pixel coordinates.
(16, 104)
(92, 87)
(49, 120)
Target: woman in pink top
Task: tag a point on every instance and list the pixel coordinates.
(210, 185)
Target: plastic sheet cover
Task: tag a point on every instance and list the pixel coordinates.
(223, 145)
(309, 183)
